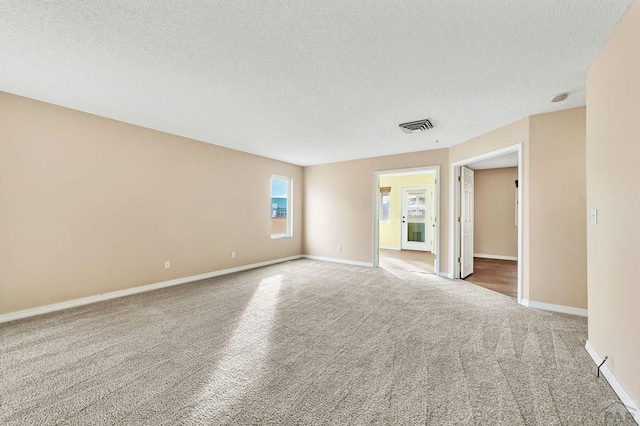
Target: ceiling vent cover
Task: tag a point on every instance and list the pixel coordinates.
(416, 126)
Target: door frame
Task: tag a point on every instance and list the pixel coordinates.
(436, 211)
(455, 194)
(403, 188)
(464, 244)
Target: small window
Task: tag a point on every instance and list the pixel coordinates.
(281, 213)
(385, 204)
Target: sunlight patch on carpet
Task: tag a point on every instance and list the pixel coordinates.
(243, 359)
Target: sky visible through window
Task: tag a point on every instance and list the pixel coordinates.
(279, 197)
(279, 188)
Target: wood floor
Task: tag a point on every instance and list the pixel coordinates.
(497, 275)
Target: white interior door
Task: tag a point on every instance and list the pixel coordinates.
(417, 217)
(466, 219)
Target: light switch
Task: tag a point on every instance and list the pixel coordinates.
(593, 216)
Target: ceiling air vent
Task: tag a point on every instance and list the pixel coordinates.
(416, 126)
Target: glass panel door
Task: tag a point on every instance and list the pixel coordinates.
(416, 217)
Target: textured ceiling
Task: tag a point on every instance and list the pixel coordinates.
(302, 81)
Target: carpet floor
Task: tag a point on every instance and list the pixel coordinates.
(304, 342)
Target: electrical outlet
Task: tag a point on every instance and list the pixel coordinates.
(167, 264)
(233, 254)
(339, 247)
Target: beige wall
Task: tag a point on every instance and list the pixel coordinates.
(339, 203)
(495, 230)
(511, 134)
(557, 206)
(507, 136)
(553, 168)
(390, 232)
(613, 151)
(339, 197)
(90, 205)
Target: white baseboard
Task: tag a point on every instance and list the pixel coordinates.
(134, 290)
(446, 275)
(495, 256)
(627, 400)
(389, 248)
(336, 260)
(554, 308)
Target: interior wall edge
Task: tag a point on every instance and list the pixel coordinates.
(338, 260)
(91, 206)
(45, 309)
(571, 310)
(626, 399)
(495, 256)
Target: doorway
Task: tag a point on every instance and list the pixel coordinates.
(486, 240)
(406, 225)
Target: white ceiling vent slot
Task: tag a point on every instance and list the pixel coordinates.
(416, 126)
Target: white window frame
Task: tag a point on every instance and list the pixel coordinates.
(289, 231)
(382, 195)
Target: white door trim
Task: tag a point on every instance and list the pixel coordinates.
(454, 208)
(467, 214)
(436, 211)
